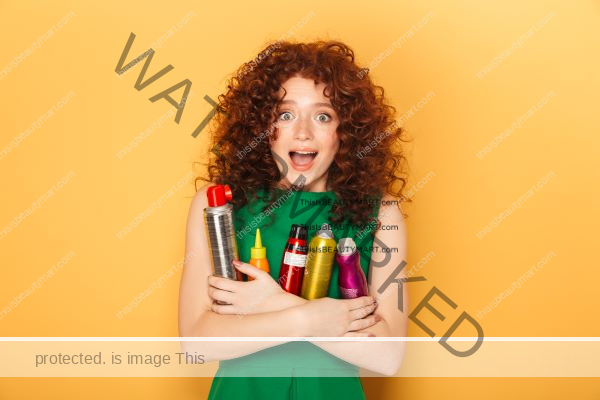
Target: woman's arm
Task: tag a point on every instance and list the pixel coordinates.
(198, 317)
(195, 316)
(381, 357)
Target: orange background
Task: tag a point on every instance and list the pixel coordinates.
(465, 194)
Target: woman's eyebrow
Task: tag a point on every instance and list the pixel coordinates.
(314, 104)
(324, 105)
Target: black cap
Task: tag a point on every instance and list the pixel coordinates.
(299, 232)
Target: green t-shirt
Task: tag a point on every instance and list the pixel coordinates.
(296, 370)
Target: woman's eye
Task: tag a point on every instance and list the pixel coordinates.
(286, 116)
(323, 117)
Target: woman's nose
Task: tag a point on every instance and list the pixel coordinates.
(303, 129)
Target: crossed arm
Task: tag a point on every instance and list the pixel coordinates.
(280, 314)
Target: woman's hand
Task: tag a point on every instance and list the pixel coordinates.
(260, 295)
(324, 317)
(328, 317)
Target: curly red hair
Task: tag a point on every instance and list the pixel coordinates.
(250, 106)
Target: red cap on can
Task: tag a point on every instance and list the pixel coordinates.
(219, 195)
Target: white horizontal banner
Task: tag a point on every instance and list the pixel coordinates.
(298, 357)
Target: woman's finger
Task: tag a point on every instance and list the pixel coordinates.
(360, 302)
(364, 323)
(220, 295)
(223, 309)
(362, 312)
(224, 283)
(248, 269)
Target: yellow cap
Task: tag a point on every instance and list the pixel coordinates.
(258, 251)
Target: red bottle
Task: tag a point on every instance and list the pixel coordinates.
(293, 261)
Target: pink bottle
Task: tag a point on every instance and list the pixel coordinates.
(352, 280)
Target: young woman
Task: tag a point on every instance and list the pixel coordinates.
(302, 125)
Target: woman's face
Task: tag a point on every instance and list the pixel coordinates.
(307, 139)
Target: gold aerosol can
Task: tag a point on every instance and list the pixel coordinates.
(321, 254)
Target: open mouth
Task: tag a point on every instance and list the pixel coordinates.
(302, 160)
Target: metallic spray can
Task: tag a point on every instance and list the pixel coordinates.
(294, 260)
(321, 253)
(220, 231)
(352, 280)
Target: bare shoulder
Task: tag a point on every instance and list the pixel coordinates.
(199, 203)
(390, 213)
(200, 198)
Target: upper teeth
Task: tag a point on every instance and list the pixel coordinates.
(306, 152)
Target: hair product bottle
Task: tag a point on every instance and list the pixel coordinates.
(258, 255)
(218, 217)
(352, 280)
(321, 253)
(294, 260)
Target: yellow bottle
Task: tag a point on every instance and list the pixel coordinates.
(258, 255)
